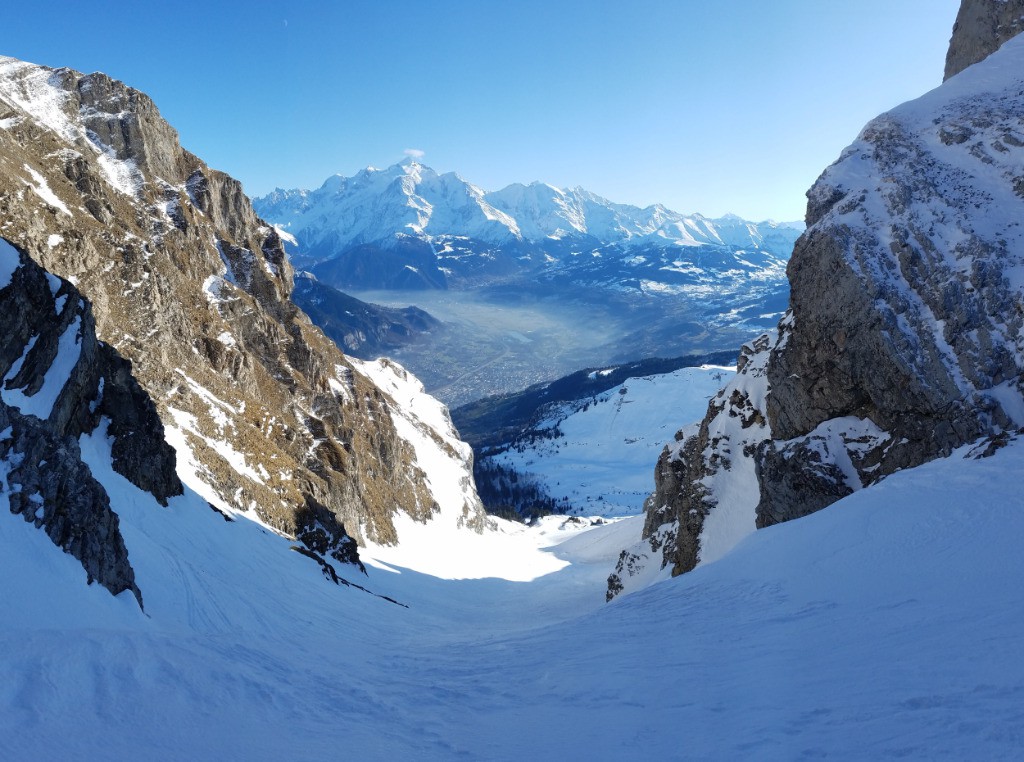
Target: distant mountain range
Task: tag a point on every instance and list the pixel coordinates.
(409, 227)
(595, 282)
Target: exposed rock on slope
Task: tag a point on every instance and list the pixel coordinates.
(267, 416)
(981, 27)
(58, 382)
(903, 339)
(907, 295)
(705, 483)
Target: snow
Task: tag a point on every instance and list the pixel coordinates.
(214, 287)
(886, 625)
(424, 423)
(42, 189)
(10, 261)
(734, 490)
(227, 339)
(512, 552)
(834, 440)
(29, 88)
(40, 404)
(54, 283)
(186, 423)
(374, 205)
(123, 175)
(1009, 398)
(54, 240)
(603, 460)
(285, 235)
(39, 92)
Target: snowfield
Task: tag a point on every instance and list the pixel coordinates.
(886, 625)
(597, 455)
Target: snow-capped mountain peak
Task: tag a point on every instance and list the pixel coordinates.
(409, 198)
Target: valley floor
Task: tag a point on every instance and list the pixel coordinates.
(887, 625)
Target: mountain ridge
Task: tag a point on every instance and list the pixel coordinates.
(650, 282)
(269, 420)
(409, 193)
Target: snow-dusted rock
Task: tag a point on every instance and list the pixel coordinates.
(904, 336)
(58, 382)
(907, 293)
(705, 483)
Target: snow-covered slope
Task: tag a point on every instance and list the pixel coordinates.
(887, 625)
(593, 456)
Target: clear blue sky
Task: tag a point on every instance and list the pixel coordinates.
(704, 105)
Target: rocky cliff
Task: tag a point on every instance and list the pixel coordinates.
(184, 281)
(903, 338)
(58, 383)
(981, 27)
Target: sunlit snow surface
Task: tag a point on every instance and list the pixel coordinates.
(39, 92)
(888, 624)
(601, 461)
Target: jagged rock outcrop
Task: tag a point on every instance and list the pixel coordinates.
(907, 299)
(59, 382)
(187, 283)
(981, 27)
(705, 482)
(904, 336)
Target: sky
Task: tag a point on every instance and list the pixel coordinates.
(711, 107)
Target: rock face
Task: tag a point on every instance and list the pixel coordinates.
(904, 336)
(705, 482)
(981, 27)
(268, 418)
(58, 383)
(907, 302)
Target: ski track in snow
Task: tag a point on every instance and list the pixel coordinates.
(887, 625)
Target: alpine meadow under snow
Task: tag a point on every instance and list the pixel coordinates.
(290, 554)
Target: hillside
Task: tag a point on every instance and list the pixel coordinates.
(222, 538)
(144, 294)
(863, 656)
(583, 444)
